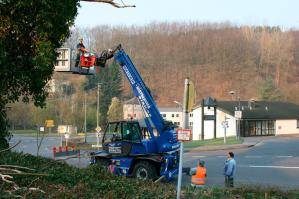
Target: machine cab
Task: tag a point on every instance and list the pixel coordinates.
(123, 138)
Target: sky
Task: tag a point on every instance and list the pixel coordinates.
(284, 13)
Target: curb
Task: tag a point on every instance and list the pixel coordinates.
(228, 147)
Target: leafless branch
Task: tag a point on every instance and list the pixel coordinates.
(29, 174)
(11, 147)
(113, 3)
(12, 170)
(18, 167)
(36, 189)
(6, 178)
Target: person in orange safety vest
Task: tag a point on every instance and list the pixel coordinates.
(199, 175)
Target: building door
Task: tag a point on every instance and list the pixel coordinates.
(257, 127)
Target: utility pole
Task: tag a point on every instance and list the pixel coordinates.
(85, 117)
(185, 105)
(98, 98)
(184, 126)
(239, 119)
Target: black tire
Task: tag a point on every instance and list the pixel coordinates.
(145, 170)
(102, 162)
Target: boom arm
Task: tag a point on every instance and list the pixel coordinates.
(140, 90)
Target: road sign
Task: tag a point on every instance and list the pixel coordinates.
(62, 129)
(225, 124)
(184, 134)
(98, 129)
(41, 129)
(67, 136)
(238, 114)
(49, 123)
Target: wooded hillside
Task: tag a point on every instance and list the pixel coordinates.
(217, 57)
(255, 62)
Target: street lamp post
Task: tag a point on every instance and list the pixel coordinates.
(238, 119)
(85, 117)
(98, 97)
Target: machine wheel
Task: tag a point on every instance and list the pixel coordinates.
(102, 162)
(144, 170)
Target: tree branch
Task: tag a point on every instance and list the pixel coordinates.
(16, 166)
(11, 147)
(113, 3)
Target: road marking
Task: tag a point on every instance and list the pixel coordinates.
(284, 156)
(264, 166)
(198, 156)
(253, 156)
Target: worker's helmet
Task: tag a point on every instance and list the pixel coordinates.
(201, 163)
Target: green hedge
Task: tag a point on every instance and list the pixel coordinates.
(64, 181)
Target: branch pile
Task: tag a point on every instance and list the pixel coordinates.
(7, 173)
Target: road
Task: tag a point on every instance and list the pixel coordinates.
(29, 145)
(274, 162)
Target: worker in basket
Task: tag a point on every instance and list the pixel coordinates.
(199, 174)
(80, 51)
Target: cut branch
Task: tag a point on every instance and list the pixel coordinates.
(16, 166)
(11, 147)
(113, 3)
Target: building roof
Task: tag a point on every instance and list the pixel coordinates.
(170, 109)
(133, 100)
(261, 109)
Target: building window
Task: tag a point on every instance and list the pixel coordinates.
(177, 115)
(134, 115)
(172, 115)
(190, 123)
(176, 123)
(297, 123)
(191, 114)
(257, 127)
(163, 115)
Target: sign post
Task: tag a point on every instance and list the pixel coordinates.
(178, 196)
(98, 135)
(225, 125)
(183, 135)
(238, 116)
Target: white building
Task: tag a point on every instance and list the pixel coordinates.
(209, 124)
(175, 115)
(259, 118)
(132, 110)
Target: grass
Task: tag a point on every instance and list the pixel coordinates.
(32, 133)
(212, 142)
(26, 132)
(65, 181)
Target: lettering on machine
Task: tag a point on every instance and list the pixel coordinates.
(130, 77)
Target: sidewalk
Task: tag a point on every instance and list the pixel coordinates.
(248, 142)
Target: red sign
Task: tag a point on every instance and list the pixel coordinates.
(184, 134)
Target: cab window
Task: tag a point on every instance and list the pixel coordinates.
(131, 132)
(113, 133)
